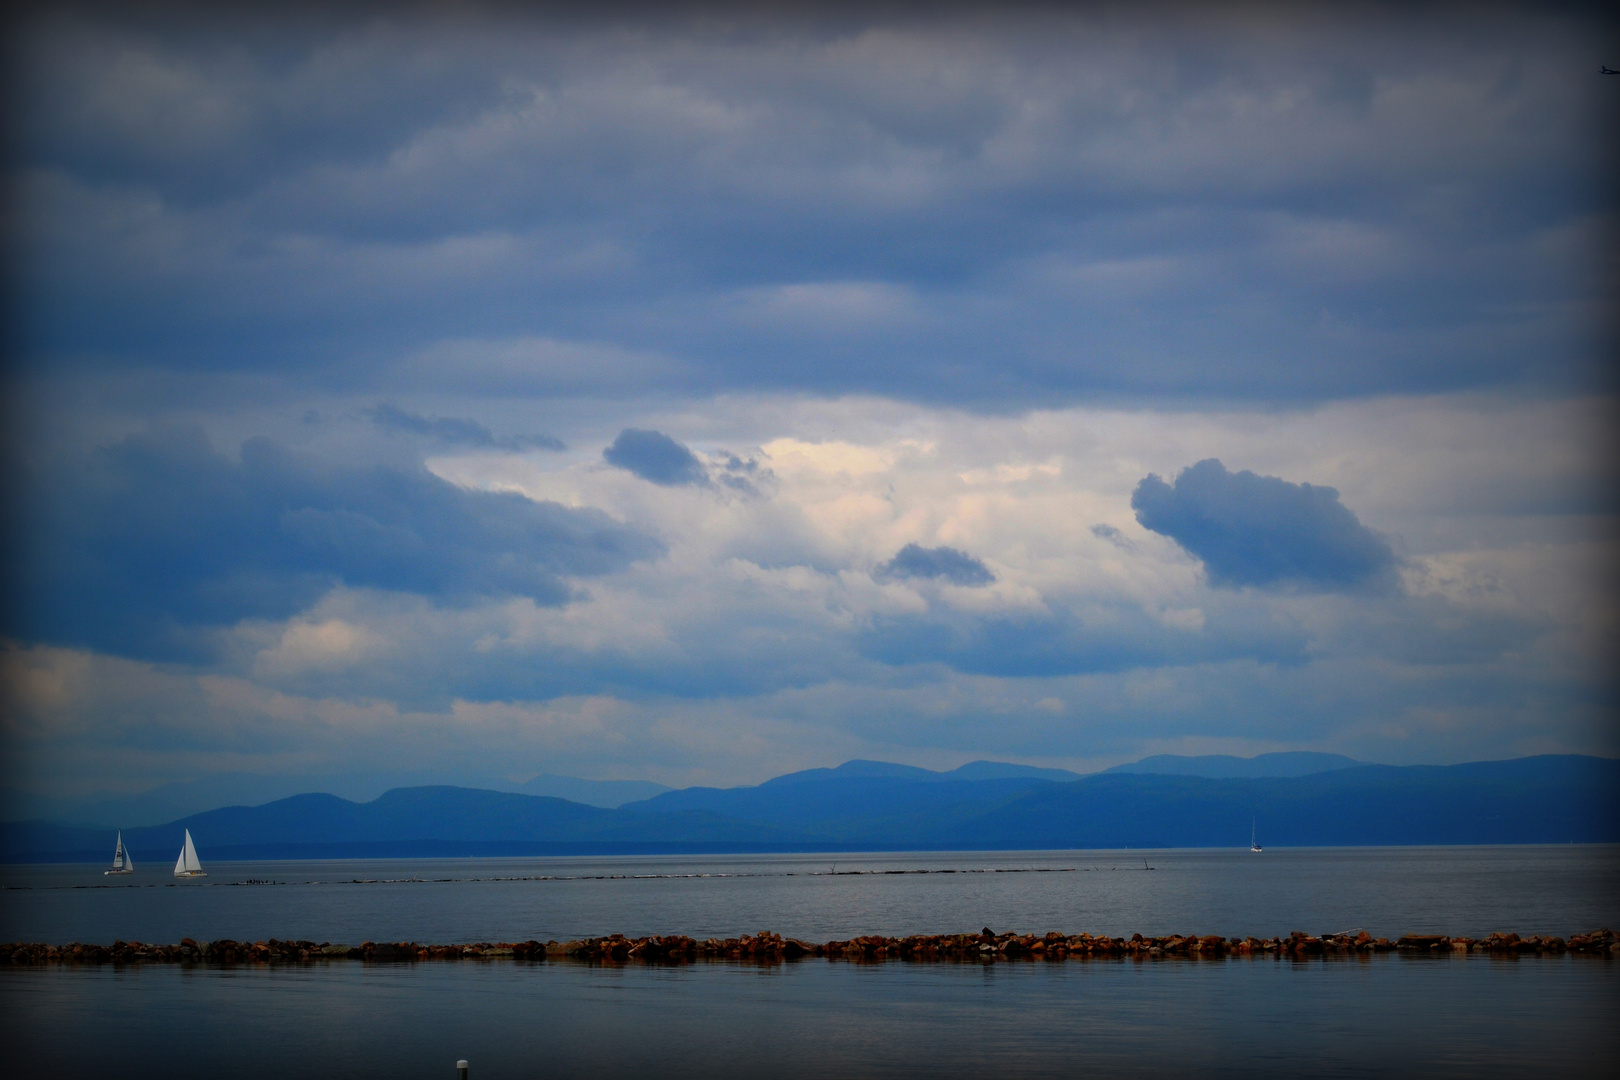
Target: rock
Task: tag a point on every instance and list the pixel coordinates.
(767, 947)
(1419, 941)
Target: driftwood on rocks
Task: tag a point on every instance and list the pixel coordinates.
(768, 948)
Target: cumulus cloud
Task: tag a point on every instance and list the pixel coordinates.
(655, 457)
(1262, 530)
(455, 431)
(136, 545)
(941, 563)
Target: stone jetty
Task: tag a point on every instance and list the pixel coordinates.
(768, 948)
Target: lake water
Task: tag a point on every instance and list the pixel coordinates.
(1382, 1015)
(1387, 891)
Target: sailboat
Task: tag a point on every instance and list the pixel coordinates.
(1254, 844)
(122, 863)
(187, 865)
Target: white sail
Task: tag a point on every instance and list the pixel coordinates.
(122, 863)
(187, 865)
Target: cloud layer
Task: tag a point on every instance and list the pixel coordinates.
(988, 209)
(758, 633)
(455, 431)
(138, 545)
(849, 338)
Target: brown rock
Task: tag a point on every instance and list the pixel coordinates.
(1419, 941)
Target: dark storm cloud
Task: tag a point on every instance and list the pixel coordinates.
(941, 563)
(456, 431)
(1263, 530)
(139, 545)
(654, 456)
(1172, 203)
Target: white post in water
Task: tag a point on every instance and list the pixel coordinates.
(461, 1070)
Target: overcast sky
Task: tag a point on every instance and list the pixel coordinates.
(702, 395)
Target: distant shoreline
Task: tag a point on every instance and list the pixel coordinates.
(769, 948)
(447, 852)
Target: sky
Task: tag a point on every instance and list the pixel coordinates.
(694, 394)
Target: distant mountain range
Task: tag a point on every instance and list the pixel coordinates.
(169, 802)
(172, 801)
(866, 805)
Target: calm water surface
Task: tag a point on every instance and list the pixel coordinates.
(1387, 1015)
(1387, 891)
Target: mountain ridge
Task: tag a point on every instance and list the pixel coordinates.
(171, 801)
(1545, 799)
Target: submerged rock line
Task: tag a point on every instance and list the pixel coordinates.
(769, 948)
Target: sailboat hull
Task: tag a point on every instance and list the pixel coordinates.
(110, 873)
(189, 873)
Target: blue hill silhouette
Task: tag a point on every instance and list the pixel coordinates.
(876, 806)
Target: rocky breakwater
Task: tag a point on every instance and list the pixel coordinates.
(1599, 941)
(768, 948)
(988, 946)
